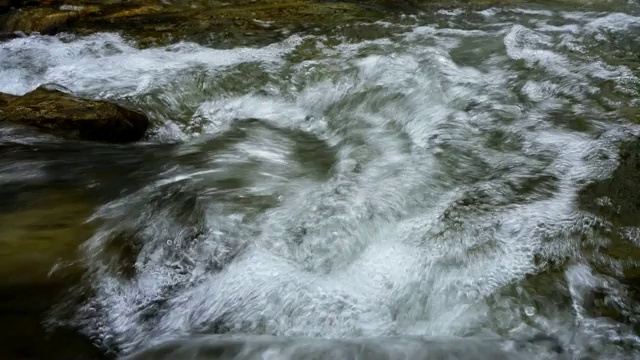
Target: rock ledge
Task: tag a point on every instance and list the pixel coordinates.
(64, 114)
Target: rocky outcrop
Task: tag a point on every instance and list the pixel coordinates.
(64, 114)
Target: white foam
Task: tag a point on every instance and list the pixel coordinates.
(414, 225)
(106, 64)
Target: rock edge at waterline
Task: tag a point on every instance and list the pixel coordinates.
(63, 114)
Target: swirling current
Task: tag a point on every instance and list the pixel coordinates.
(411, 189)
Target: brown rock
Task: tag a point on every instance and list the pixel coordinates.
(5, 98)
(138, 11)
(65, 114)
(42, 20)
(46, 20)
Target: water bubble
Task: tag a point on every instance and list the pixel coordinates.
(529, 310)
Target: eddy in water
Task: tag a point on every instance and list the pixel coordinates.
(453, 185)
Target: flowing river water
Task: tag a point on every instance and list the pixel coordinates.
(414, 188)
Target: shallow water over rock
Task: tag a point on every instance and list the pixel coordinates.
(461, 179)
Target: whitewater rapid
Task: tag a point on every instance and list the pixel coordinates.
(418, 184)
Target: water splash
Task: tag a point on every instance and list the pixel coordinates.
(419, 184)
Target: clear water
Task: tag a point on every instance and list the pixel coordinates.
(404, 189)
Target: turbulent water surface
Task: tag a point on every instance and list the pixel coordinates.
(401, 189)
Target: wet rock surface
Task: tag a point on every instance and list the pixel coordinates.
(46, 20)
(220, 23)
(61, 113)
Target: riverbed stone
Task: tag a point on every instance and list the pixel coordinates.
(62, 113)
(39, 262)
(42, 234)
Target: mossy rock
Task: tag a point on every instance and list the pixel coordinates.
(61, 113)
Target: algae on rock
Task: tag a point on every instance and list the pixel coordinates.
(62, 113)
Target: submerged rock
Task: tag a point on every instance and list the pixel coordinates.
(41, 233)
(65, 114)
(615, 201)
